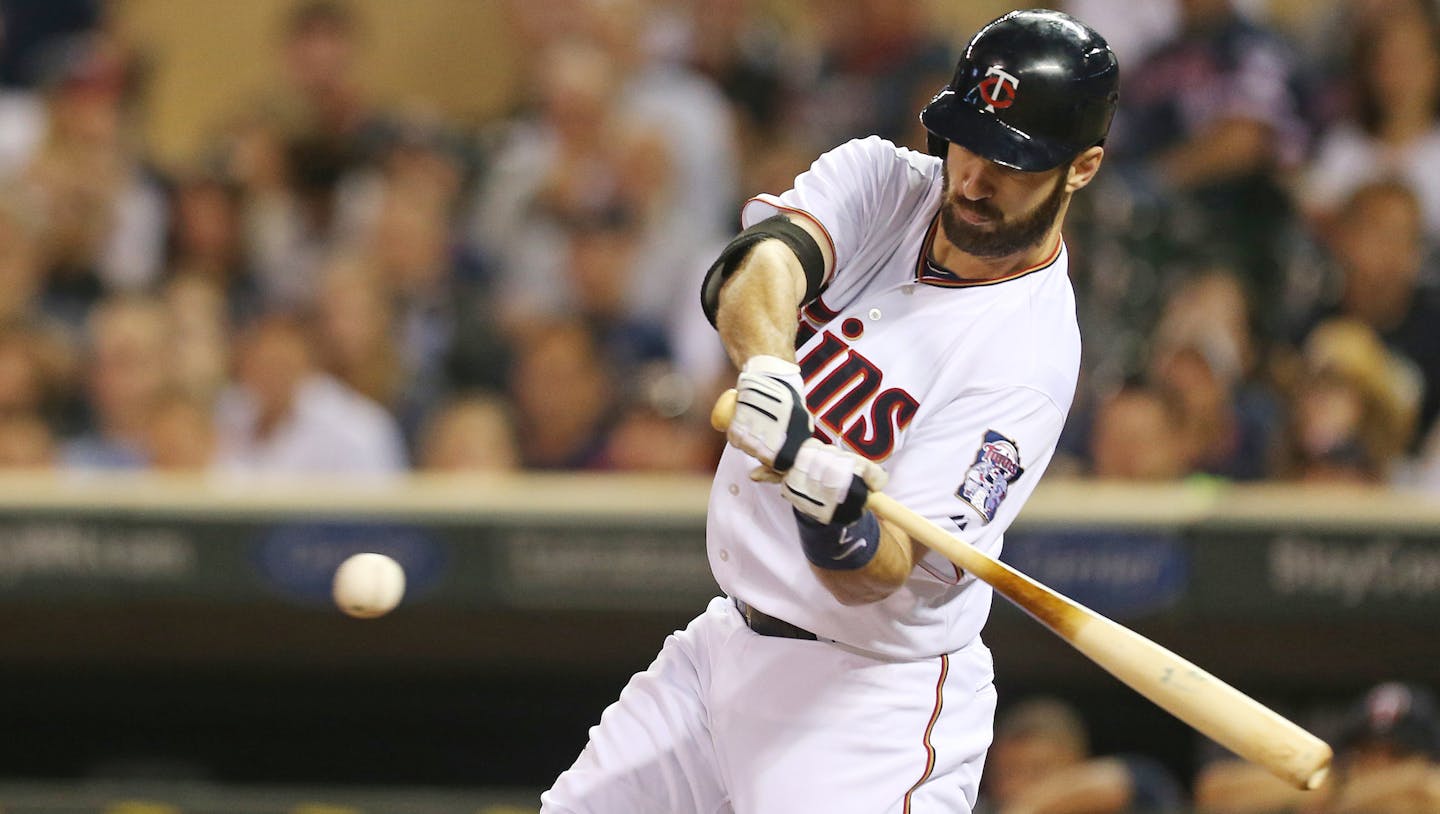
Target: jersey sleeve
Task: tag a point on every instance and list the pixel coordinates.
(851, 191)
(970, 467)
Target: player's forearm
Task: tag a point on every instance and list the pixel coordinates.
(880, 577)
(759, 304)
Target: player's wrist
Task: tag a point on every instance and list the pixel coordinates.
(839, 546)
(768, 365)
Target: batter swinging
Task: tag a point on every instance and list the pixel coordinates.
(935, 341)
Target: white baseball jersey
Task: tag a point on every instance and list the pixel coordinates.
(959, 389)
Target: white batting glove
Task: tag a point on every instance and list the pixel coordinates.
(830, 484)
(771, 420)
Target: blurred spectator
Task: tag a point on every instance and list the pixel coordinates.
(129, 365)
(1392, 126)
(470, 434)
(663, 424)
(1132, 29)
(441, 319)
(1353, 409)
(284, 416)
(565, 397)
(35, 370)
(1205, 126)
(1389, 761)
(566, 162)
(875, 55)
(294, 153)
(206, 242)
(104, 216)
(26, 442)
(201, 330)
(354, 321)
(180, 434)
(283, 234)
(21, 231)
(1231, 786)
(1136, 436)
(589, 159)
(418, 158)
(603, 251)
(1381, 253)
(685, 186)
(1385, 763)
(745, 53)
(29, 27)
(646, 440)
(27, 32)
(1204, 358)
(622, 122)
(1040, 763)
(321, 106)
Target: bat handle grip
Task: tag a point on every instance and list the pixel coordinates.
(723, 411)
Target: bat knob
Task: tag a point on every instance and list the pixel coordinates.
(723, 411)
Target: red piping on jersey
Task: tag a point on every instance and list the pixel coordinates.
(809, 217)
(930, 728)
(923, 265)
(953, 579)
(819, 312)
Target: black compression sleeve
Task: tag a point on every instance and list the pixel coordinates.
(806, 250)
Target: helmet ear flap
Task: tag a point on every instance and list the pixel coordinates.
(939, 147)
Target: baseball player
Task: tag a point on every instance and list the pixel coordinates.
(902, 321)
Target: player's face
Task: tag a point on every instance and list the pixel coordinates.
(993, 211)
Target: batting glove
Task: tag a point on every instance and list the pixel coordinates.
(830, 485)
(771, 421)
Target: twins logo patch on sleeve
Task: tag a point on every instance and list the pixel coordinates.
(996, 466)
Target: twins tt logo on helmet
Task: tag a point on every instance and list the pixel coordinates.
(987, 481)
(998, 89)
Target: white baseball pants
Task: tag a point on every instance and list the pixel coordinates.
(726, 721)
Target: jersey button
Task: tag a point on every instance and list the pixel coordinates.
(874, 314)
(734, 488)
(724, 555)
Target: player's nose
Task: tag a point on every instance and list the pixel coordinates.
(971, 174)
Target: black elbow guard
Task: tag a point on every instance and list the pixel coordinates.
(780, 228)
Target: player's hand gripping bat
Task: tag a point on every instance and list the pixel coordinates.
(1221, 712)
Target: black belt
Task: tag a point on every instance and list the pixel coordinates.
(766, 625)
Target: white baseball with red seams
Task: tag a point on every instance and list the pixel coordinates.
(368, 585)
(960, 390)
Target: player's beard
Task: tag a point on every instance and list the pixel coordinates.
(1000, 237)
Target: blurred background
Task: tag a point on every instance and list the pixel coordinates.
(283, 280)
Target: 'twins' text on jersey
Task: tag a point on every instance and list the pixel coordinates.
(844, 393)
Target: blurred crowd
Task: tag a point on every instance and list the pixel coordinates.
(1387, 761)
(333, 286)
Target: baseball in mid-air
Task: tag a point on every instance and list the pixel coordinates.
(368, 585)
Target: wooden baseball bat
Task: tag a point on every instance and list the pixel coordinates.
(1214, 708)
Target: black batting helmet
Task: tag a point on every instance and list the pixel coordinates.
(1033, 89)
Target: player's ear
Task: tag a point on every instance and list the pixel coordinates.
(1083, 168)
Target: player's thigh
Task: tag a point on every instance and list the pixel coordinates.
(807, 726)
(652, 751)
